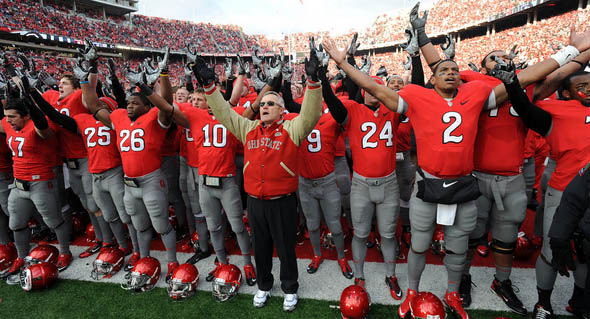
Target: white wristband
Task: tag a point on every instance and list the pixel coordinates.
(565, 55)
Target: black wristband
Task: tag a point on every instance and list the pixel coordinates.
(578, 62)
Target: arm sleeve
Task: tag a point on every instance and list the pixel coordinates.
(290, 105)
(417, 71)
(311, 110)
(336, 107)
(229, 88)
(119, 92)
(61, 119)
(239, 126)
(532, 116)
(572, 207)
(189, 84)
(37, 116)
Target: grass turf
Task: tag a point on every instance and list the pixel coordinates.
(80, 299)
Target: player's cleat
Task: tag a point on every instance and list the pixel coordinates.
(290, 302)
(211, 274)
(455, 305)
(394, 289)
(64, 261)
(260, 298)
(465, 290)
(250, 274)
(91, 250)
(371, 240)
(316, 261)
(483, 250)
(181, 234)
(198, 256)
(171, 267)
(540, 312)
(132, 261)
(16, 267)
(404, 309)
(187, 245)
(126, 252)
(359, 282)
(345, 268)
(506, 293)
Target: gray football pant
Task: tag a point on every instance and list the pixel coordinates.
(503, 202)
(317, 196)
(423, 223)
(369, 197)
(108, 190)
(22, 206)
(343, 182)
(539, 214)
(212, 200)
(193, 195)
(5, 181)
(81, 182)
(183, 185)
(170, 169)
(528, 173)
(406, 174)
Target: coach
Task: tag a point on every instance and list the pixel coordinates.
(270, 174)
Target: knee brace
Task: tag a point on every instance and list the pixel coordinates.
(418, 252)
(501, 247)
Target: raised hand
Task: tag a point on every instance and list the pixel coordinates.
(24, 60)
(243, 66)
(112, 67)
(81, 69)
(258, 78)
(382, 72)
(287, 73)
(411, 46)
(137, 77)
(257, 59)
(366, 67)
(191, 54)
(351, 51)
(274, 70)
(580, 40)
(408, 64)
(89, 52)
(204, 74)
(513, 52)
(418, 23)
(323, 57)
(312, 65)
(448, 47)
(339, 56)
(505, 72)
(227, 67)
(48, 80)
(473, 67)
(163, 62)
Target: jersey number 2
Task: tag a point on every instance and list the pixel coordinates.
(455, 119)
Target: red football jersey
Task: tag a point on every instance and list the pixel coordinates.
(445, 130)
(182, 144)
(499, 146)
(5, 157)
(403, 135)
(30, 152)
(372, 139)
(51, 96)
(100, 144)
(171, 143)
(139, 142)
(569, 139)
(192, 152)
(216, 145)
(72, 144)
(317, 150)
(240, 147)
(247, 100)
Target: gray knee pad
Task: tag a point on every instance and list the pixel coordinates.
(421, 241)
(454, 262)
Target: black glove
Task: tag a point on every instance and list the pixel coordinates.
(81, 69)
(163, 62)
(448, 47)
(243, 66)
(204, 74)
(112, 67)
(513, 52)
(353, 45)
(382, 72)
(505, 72)
(563, 258)
(312, 65)
(89, 52)
(419, 25)
(473, 67)
(411, 46)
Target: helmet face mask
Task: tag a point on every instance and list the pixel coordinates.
(223, 291)
(37, 276)
(227, 282)
(108, 262)
(144, 276)
(26, 281)
(178, 290)
(183, 282)
(101, 268)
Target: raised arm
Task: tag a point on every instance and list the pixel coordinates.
(552, 82)
(55, 116)
(387, 96)
(166, 112)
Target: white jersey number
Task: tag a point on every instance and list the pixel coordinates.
(188, 135)
(455, 119)
(386, 134)
(104, 138)
(218, 135)
(21, 141)
(136, 140)
(315, 141)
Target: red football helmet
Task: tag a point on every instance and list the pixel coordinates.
(144, 275)
(426, 305)
(42, 253)
(524, 247)
(90, 236)
(438, 242)
(108, 262)
(227, 282)
(354, 302)
(183, 282)
(7, 257)
(38, 276)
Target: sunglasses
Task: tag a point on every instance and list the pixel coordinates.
(269, 103)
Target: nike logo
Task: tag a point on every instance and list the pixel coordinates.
(322, 123)
(385, 113)
(445, 185)
(463, 102)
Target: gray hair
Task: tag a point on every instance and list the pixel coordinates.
(281, 102)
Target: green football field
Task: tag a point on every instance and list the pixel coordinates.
(82, 299)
